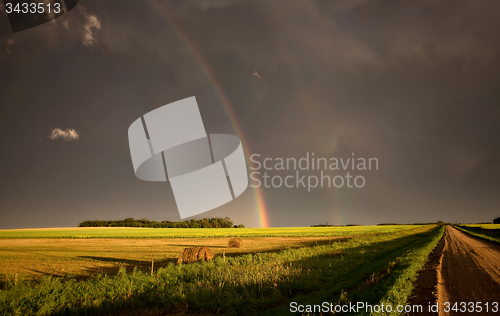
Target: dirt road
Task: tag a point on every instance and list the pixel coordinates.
(470, 272)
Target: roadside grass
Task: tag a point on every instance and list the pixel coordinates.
(399, 285)
(139, 232)
(489, 232)
(387, 279)
(374, 267)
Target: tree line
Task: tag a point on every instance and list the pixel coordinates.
(193, 223)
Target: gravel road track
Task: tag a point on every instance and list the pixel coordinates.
(470, 272)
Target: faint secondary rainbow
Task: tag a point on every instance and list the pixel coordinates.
(220, 95)
(307, 102)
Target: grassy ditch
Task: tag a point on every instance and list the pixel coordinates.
(384, 279)
(489, 232)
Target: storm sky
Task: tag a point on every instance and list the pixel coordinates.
(414, 84)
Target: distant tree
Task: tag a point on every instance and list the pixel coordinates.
(205, 223)
(227, 223)
(241, 226)
(440, 223)
(496, 220)
(144, 222)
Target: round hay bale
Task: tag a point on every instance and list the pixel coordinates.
(181, 254)
(194, 254)
(235, 243)
(205, 254)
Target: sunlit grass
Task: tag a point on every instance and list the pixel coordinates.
(483, 226)
(489, 232)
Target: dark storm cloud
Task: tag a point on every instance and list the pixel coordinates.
(411, 83)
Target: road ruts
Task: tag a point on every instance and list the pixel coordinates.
(470, 272)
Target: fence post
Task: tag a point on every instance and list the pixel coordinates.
(152, 265)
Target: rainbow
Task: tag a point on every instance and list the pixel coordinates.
(221, 97)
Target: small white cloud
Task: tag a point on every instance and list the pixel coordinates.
(256, 74)
(91, 22)
(67, 135)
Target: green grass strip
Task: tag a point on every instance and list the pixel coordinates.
(490, 234)
(400, 284)
(387, 278)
